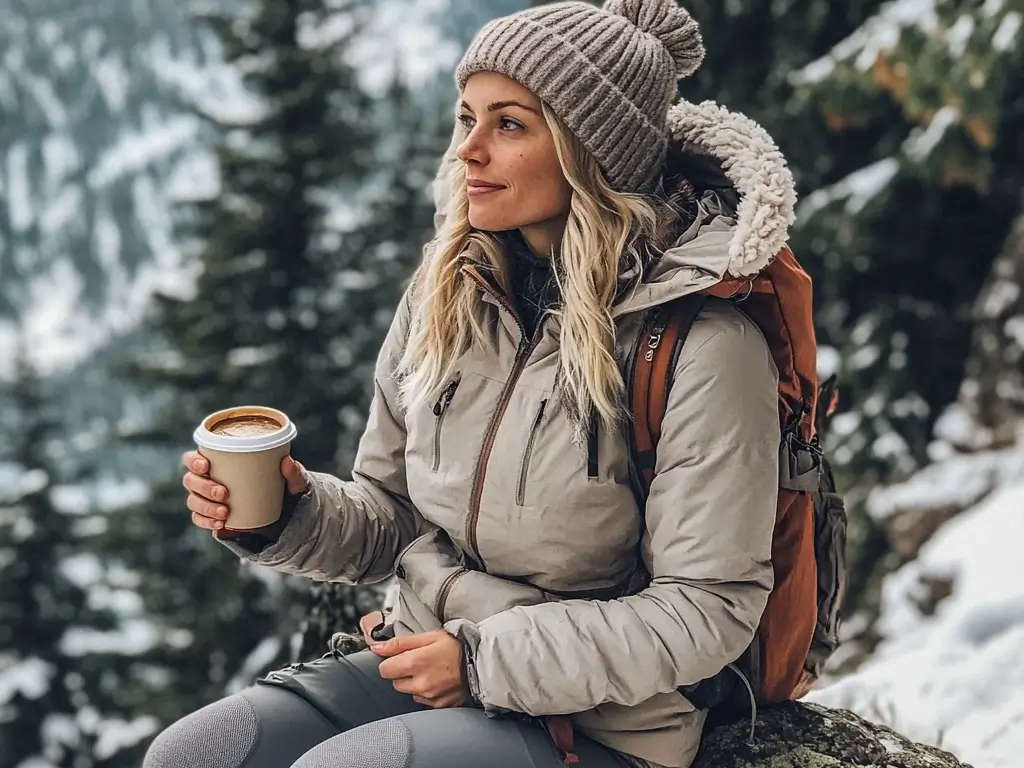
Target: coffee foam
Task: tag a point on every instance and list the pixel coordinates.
(246, 426)
(245, 429)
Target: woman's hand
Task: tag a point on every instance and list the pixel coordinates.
(208, 501)
(427, 665)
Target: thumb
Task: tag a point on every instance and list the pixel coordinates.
(294, 476)
(402, 643)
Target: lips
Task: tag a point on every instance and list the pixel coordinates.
(475, 187)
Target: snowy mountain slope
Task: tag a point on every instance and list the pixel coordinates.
(88, 136)
(95, 145)
(950, 669)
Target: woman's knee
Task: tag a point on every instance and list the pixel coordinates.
(262, 727)
(436, 739)
(220, 735)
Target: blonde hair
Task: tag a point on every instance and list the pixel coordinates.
(608, 234)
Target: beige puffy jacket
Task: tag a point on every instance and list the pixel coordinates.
(498, 528)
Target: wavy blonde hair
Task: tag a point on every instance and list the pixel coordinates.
(608, 234)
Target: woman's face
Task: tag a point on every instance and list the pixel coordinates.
(512, 170)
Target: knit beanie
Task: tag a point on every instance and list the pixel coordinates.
(609, 73)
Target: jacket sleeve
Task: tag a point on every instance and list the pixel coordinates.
(352, 531)
(707, 545)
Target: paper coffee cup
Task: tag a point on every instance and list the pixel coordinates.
(245, 446)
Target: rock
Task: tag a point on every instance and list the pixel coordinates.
(909, 529)
(798, 735)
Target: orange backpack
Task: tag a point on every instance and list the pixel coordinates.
(798, 630)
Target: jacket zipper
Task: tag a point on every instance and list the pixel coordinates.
(526, 348)
(440, 411)
(446, 589)
(521, 492)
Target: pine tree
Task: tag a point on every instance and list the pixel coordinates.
(90, 136)
(42, 606)
(907, 238)
(292, 300)
(383, 252)
(904, 240)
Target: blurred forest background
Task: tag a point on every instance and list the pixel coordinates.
(219, 202)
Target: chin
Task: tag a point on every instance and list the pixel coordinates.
(491, 220)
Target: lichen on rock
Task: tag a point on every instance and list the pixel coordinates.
(798, 735)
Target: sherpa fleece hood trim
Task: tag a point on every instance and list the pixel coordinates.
(721, 243)
(757, 169)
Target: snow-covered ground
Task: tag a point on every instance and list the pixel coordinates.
(954, 678)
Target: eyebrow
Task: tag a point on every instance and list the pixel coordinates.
(502, 104)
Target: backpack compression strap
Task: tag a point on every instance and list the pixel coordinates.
(654, 359)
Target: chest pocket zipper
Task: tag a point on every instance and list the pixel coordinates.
(528, 453)
(440, 410)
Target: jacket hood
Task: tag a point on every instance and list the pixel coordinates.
(745, 199)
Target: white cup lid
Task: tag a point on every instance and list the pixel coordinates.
(204, 438)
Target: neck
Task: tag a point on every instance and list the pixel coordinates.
(544, 237)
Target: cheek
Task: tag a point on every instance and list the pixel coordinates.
(541, 180)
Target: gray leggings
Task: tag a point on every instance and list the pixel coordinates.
(337, 712)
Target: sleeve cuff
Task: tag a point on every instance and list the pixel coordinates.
(253, 542)
(466, 633)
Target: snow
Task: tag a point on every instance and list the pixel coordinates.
(117, 734)
(1006, 34)
(857, 189)
(1014, 328)
(402, 39)
(215, 89)
(102, 493)
(135, 151)
(83, 570)
(18, 187)
(960, 481)
(132, 638)
(114, 81)
(29, 677)
(829, 360)
(954, 678)
(877, 35)
(959, 34)
(998, 297)
(919, 145)
(257, 660)
(955, 426)
(991, 7)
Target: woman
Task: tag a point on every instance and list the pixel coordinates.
(493, 479)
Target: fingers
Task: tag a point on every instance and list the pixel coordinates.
(206, 514)
(205, 522)
(205, 496)
(397, 668)
(403, 643)
(195, 462)
(294, 476)
(204, 487)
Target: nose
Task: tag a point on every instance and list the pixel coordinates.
(472, 149)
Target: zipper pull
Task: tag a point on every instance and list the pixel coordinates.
(446, 397)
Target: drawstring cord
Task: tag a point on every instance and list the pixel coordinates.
(753, 702)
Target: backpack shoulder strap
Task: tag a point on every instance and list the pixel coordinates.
(652, 362)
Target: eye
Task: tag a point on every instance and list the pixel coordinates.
(467, 121)
(508, 124)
